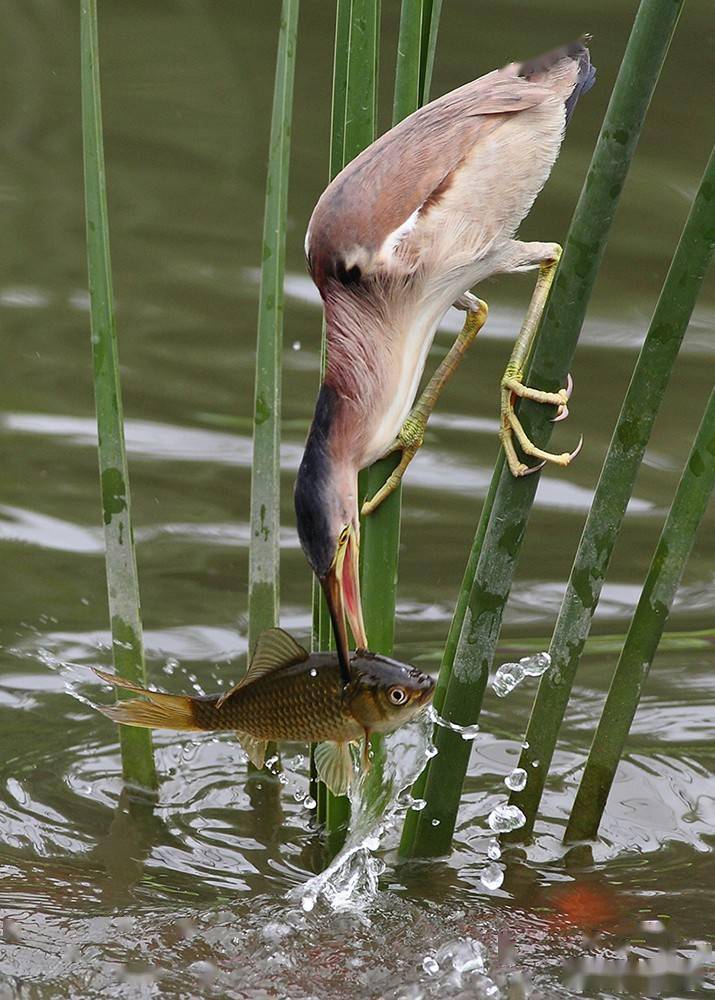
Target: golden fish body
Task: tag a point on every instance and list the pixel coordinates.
(288, 694)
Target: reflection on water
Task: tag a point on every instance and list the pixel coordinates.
(200, 892)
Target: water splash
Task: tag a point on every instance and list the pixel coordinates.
(350, 882)
(461, 965)
(494, 849)
(466, 732)
(492, 875)
(515, 781)
(509, 675)
(504, 818)
(72, 674)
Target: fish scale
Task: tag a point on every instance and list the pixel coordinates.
(290, 704)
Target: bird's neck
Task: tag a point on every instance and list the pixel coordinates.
(326, 487)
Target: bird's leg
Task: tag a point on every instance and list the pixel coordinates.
(411, 435)
(512, 382)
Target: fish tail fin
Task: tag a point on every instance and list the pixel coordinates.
(159, 711)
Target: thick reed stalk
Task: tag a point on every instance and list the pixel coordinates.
(122, 581)
(419, 23)
(357, 35)
(264, 551)
(380, 536)
(466, 675)
(380, 542)
(666, 569)
(615, 486)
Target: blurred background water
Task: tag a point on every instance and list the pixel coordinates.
(104, 897)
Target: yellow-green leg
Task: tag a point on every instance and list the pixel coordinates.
(513, 385)
(411, 435)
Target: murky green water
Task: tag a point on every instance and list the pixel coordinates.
(102, 897)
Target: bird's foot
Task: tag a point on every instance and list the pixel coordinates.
(408, 441)
(511, 427)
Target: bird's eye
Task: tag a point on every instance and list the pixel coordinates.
(398, 696)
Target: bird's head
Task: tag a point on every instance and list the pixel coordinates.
(329, 526)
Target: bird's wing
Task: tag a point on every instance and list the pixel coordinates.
(370, 208)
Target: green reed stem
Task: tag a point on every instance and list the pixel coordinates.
(419, 22)
(465, 676)
(665, 572)
(354, 110)
(264, 550)
(380, 535)
(615, 486)
(122, 580)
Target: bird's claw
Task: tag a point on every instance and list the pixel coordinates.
(512, 428)
(563, 410)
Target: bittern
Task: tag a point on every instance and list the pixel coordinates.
(423, 215)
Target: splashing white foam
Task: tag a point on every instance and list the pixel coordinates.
(350, 882)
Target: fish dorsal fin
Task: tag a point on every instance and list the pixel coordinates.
(274, 649)
(334, 765)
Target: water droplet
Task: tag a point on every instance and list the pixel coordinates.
(466, 732)
(507, 677)
(429, 965)
(534, 763)
(516, 781)
(467, 955)
(491, 876)
(308, 902)
(283, 778)
(299, 795)
(313, 672)
(309, 802)
(536, 665)
(296, 345)
(504, 818)
(525, 745)
(371, 843)
(170, 666)
(493, 849)
(431, 751)
(297, 761)
(435, 822)
(274, 932)
(189, 751)
(418, 804)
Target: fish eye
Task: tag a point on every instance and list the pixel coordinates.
(397, 695)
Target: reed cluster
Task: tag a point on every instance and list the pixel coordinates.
(477, 619)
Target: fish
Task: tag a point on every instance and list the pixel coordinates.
(288, 694)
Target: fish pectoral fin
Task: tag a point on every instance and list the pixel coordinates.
(334, 765)
(256, 749)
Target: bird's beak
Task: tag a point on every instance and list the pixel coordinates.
(341, 585)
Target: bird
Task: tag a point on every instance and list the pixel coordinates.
(412, 224)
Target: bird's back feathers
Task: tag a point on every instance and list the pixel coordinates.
(404, 173)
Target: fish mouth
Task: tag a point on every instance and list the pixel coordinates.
(425, 696)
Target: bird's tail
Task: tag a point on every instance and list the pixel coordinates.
(556, 69)
(158, 711)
